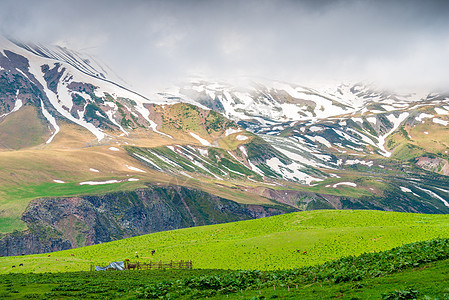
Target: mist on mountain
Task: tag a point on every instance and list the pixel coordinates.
(398, 45)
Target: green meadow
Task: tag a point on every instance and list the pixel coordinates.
(281, 242)
(412, 271)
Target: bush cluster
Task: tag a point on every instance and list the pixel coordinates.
(351, 268)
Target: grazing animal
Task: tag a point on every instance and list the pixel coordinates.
(297, 251)
(48, 255)
(132, 266)
(13, 266)
(153, 251)
(21, 265)
(305, 252)
(71, 254)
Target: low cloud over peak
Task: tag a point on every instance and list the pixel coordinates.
(397, 44)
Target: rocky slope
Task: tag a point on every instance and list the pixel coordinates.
(70, 222)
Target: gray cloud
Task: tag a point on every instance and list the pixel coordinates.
(397, 44)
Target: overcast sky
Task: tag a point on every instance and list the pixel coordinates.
(396, 44)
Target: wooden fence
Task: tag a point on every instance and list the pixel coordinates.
(158, 265)
(154, 265)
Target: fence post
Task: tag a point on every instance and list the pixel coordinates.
(181, 264)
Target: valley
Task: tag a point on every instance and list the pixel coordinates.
(224, 149)
(69, 131)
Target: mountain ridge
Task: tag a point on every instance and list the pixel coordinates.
(350, 146)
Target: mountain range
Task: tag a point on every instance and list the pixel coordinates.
(81, 152)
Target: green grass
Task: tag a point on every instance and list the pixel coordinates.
(418, 269)
(264, 244)
(430, 282)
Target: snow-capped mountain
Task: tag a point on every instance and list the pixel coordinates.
(351, 140)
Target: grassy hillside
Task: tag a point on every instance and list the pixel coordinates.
(265, 244)
(413, 271)
(29, 174)
(23, 129)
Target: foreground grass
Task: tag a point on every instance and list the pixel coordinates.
(418, 270)
(426, 282)
(263, 244)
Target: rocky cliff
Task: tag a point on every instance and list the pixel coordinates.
(70, 222)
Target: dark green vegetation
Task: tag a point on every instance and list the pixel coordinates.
(417, 270)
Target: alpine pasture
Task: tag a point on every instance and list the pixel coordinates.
(281, 242)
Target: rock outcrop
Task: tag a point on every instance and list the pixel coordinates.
(70, 222)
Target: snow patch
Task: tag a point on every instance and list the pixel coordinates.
(110, 113)
(316, 128)
(372, 120)
(405, 190)
(423, 116)
(243, 150)
(58, 181)
(55, 101)
(230, 131)
(203, 152)
(200, 139)
(185, 174)
(147, 160)
(435, 195)
(388, 107)
(360, 162)
(166, 160)
(198, 164)
(291, 171)
(153, 126)
(94, 170)
(133, 179)
(440, 111)
(345, 183)
(396, 123)
(441, 122)
(99, 182)
(241, 137)
(52, 121)
(320, 139)
(255, 169)
(135, 169)
(114, 149)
